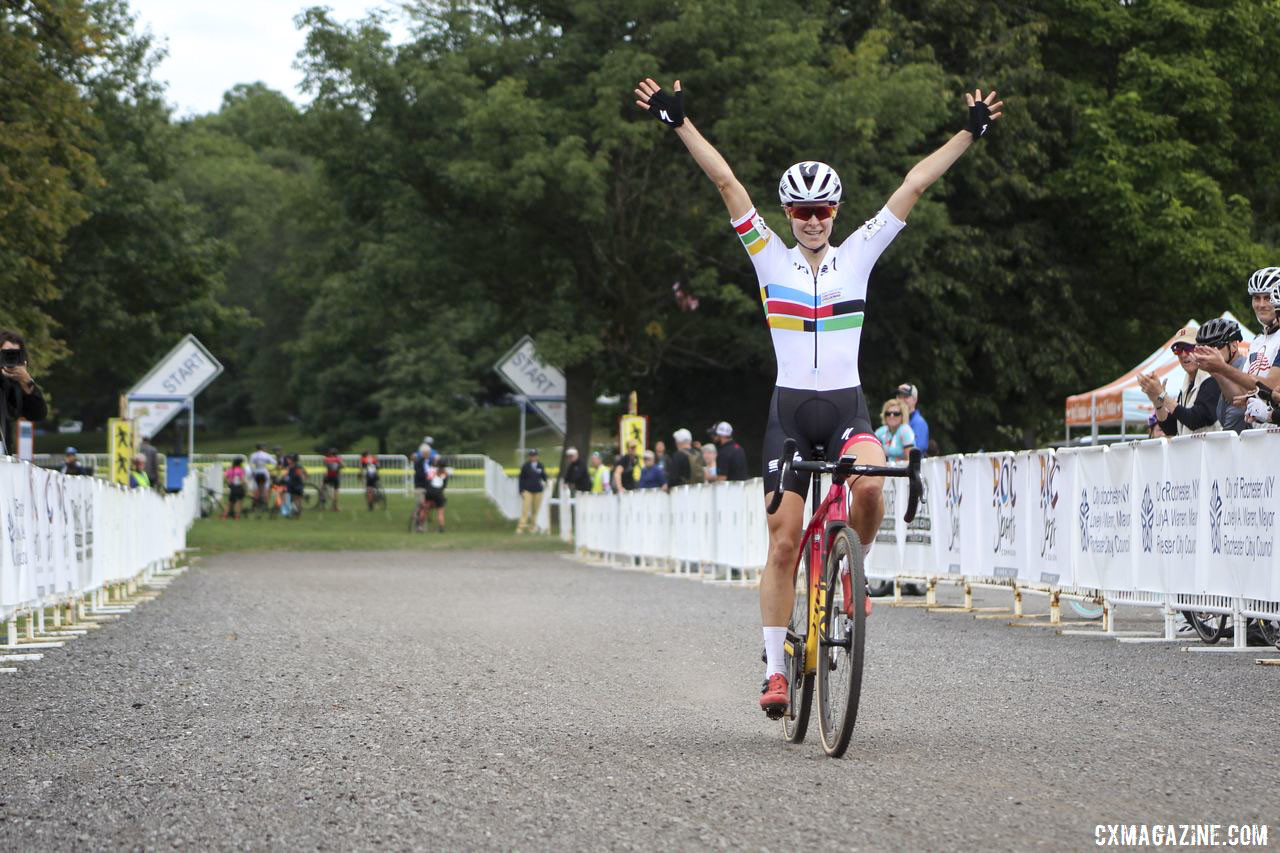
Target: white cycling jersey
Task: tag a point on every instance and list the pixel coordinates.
(1263, 353)
(259, 460)
(816, 319)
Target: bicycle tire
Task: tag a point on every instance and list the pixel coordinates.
(210, 506)
(311, 497)
(1086, 610)
(1210, 626)
(841, 641)
(796, 721)
(1270, 631)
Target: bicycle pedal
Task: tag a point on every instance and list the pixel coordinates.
(775, 713)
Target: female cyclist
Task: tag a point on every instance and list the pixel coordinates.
(814, 295)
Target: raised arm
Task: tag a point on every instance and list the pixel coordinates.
(669, 109)
(982, 112)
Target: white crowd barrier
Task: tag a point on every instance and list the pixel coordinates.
(66, 537)
(1183, 523)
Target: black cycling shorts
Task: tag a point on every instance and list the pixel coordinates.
(435, 496)
(829, 418)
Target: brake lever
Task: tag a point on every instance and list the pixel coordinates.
(915, 488)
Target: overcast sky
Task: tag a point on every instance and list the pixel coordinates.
(214, 45)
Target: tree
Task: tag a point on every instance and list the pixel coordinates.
(140, 271)
(47, 50)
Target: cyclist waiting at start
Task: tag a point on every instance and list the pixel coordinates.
(369, 464)
(814, 295)
(332, 476)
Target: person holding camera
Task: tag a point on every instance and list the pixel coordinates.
(22, 397)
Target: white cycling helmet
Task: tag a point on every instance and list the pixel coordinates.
(810, 182)
(1264, 280)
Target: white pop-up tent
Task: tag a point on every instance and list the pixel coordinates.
(1121, 401)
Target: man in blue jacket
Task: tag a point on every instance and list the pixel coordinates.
(533, 479)
(910, 395)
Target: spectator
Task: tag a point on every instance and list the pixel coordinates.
(1224, 336)
(236, 479)
(731, 459)
(1153, 427)
(295, 479)
(709, 462)
(148, 450)
(71, 463)
(369, 465)
(599, 475)
(437, 479)
(427, 448)
(575, 477)
(663, 460)
(1196, 409)
(910, 395)
(626, 469)
(533, 479)
(652, 476)
(260, 463)
(138, 476)
(686, 467)
(895, 435)
(22, 396)
(332, 476)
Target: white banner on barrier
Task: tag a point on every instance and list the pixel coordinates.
(997, 543)
(917, 542)
(1104, 559)
(1047, 510)
(886, 556)
(1238, 521)
(946, 482)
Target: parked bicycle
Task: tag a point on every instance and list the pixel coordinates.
(826, 638)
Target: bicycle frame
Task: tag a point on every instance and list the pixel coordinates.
(831, 515)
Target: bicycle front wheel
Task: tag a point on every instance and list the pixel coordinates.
(311, 497)
(796, 721)
(841, 635)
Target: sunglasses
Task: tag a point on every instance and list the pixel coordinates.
(893, 414)
(1180, 348)
(803, 213)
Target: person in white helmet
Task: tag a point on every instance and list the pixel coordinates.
(1239, 385)
(814, 296)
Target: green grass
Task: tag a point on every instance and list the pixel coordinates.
(471, 522)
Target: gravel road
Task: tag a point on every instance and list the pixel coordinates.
(468, 700)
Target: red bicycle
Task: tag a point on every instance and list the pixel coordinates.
(827, 633)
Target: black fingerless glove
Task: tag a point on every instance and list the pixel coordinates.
(668, 109)
(979, 119)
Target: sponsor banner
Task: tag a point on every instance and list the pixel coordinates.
(15, 565)
(945, 478)
(1047, 511)
(42, 528)
(997, 534)
(1238, 517)
(886, 556)
(1103, 492)
(1166, 492)
(917, 540)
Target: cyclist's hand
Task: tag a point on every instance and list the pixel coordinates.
(666, 108)
(1209, 359)
(982, 111)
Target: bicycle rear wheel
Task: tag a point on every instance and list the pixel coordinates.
(311, 496)
(841, 636)
(1210, 626)
(796, 721)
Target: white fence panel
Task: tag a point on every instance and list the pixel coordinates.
(1148, 523)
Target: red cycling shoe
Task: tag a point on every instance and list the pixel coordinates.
(775, 700)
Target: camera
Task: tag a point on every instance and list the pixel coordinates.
(13, 357)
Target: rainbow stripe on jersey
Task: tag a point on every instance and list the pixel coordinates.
(754, 234)
(788, 308)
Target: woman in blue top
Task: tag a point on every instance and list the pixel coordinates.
(896, 436)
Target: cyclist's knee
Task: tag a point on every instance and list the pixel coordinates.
(868, 494)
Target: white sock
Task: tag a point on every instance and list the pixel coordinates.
(866, 554)
(773, 651)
